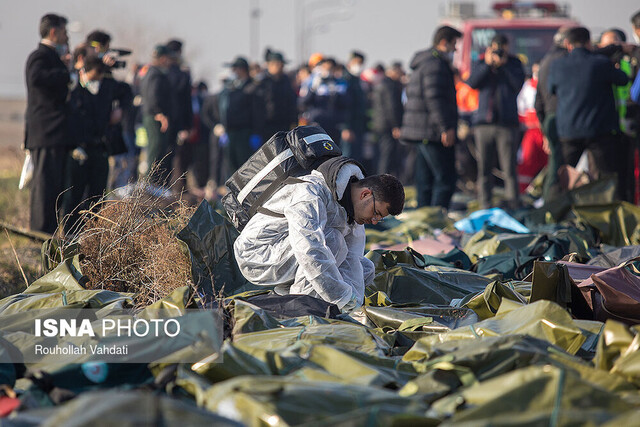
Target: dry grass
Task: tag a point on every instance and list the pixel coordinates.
(18, 254)
(25, 260)
(129, 245)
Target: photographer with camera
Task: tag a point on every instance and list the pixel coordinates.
(118, 93)
(499, 78)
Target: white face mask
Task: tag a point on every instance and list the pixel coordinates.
(93, 86)
(636, 37)
(355, 69)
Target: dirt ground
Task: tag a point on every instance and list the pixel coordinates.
(14, 205)
(11, 136)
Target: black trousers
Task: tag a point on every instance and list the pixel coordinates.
(46, 185)
(391, 155)
(168, 161)
(435, 174)
(217, 169)
(237, 151)
(194, 156)
(85, 184)
(551, 187)
(607, 154)
(504, 139)
(158, 144)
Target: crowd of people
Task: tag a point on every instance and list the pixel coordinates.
(86, 130)
(579, 100)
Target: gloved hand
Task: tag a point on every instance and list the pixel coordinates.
(79, 155)
(255, 141)
(352, 304)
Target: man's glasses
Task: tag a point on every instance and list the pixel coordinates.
(377, 214)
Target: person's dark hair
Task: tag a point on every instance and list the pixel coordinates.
(49, 21)
(620, 33)
(379, 67)
(386, 188)
(92, 62)
(560, 36)
(174, 45)
(330, 61)
(304, 67)
(357, 55)
(99, 36)
(635, 20)
(578, 36)
(445, 33)
(500, 39)
(80, 50)
(267, 54)
(202, 85)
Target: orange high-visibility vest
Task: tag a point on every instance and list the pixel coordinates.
(466, 97)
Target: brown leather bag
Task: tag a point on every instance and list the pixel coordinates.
(614, 293)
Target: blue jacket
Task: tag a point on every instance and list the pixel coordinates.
(635, 90)
(582, 82)
(498, 92)
(326, 101)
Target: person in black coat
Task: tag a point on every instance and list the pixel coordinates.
(586, 115)
(210, 116)
(180, 117)
(119, 93)
(279, 97)
(87, 167)
(46, 130)
(545, 105)
(353, 135)
(499, 78)
(387, 120)
(156, 109)
(431, 118)
(242, 113)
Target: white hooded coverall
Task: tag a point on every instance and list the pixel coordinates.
(312, 250)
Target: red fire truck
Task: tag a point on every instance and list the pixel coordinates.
(529, 26)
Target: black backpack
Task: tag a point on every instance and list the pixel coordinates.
(277, 163)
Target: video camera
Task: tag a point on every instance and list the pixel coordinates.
(117, 54)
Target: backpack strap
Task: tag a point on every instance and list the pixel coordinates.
(269, 212)
(273, 164)
(277, 184)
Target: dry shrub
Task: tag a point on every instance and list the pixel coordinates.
(129, 245)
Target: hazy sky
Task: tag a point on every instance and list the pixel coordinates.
(214, 31)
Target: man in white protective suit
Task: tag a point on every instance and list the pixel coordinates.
(317, 248)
